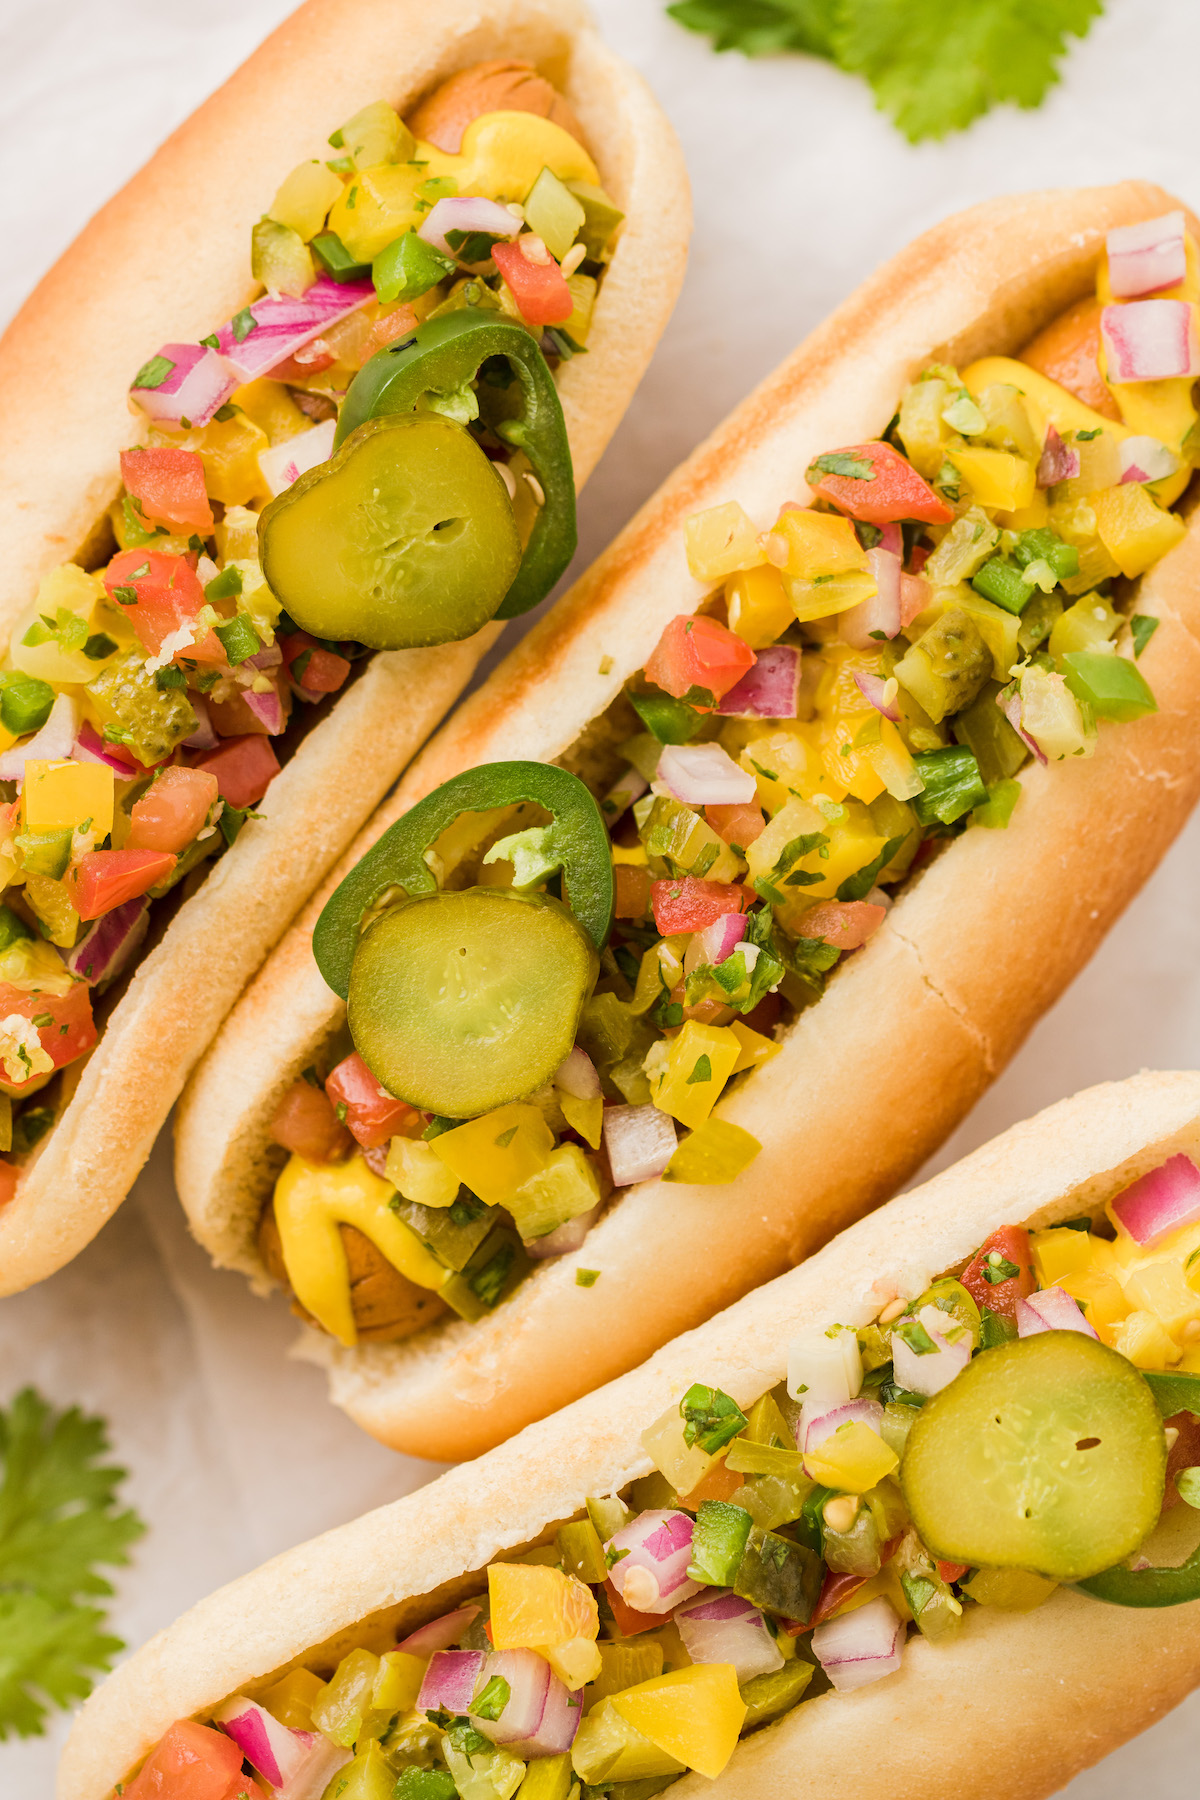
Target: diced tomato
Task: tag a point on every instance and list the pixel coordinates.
(843, 923)
(632, 883)
(191, 1762)
(920, 556)
(835, 1591)
(244, 767)
(159, 594)
(736, 824)
(387, 329)
(172, 810)
(539, 288)
(1002, 1272)
(306, 1124)
(720, 1483)
(235, 717)
(688, 904)
(1183, 1454)
(893, 491)
(64, 1022)
(106, 878)
(8, 1181)
(319, 671)
(951, 1571)
(629, 1621)
(698, 652)
(372, 1114)
(169, 483)
(309, 360)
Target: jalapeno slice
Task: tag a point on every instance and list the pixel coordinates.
(1173, 1393)
(460, 1002)
(1046, 1453)
(405, 538)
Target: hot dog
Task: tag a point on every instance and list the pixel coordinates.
(887, 639)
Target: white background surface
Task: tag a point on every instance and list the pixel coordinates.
(800, 188)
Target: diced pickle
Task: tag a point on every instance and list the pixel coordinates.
(679, 842)
(947, 666)
(453, 1233)
(135, 712)
(779, 1575)
(493, 1272)
(768, 1697)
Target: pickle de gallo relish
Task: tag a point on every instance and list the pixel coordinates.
(1023, 1423)
(147, 701)
(866, 680)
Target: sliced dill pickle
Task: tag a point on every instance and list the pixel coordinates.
(454, 1233)
(460, 1002)
(405, 537)
(1046, 1453)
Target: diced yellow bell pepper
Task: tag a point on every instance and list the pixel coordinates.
(756, 1049)
(1027, 518)
(1146, 1342)
(818, 543)
(852, 845)
(1010, 1590)
(68, 588)
(996, 477)
(786, 763)
(699, 1064)
(828, 594)
(1160, 1289)
(369, 1777)
(229, 450)
(854, 1459)
(758, 609)
(714, 1154)
(1059, 1252)
(584, 1116)
(291, 1699)
(796, 819)
(270, 406)
(66, 796)
(414, 1171)
(1134, 531)
(398, 1682)
(720, 541)
(535, 1607)
(311, 1201)
(380, 204)
(549, 1778)
(847, 755)
(494, 1155)
(683, 1465)
(51, 901)
(1099, 1295)
(693, 1714)
(561, 1189)
(304, 198)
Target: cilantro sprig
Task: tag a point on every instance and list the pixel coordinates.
(935, 65)
(59, 1519)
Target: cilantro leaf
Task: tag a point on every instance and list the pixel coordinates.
(937, 65)
(45, 1649)
(761, 27)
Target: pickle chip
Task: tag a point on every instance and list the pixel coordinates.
(1046, 1453)
(460, 1002)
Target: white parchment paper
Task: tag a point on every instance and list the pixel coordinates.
(800, 189)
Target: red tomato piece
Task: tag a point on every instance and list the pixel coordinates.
(191, 1762)
(169, 483)
(736, 824)
(316, 670)
(893, 491)
(950, 1571)
(106, 878)
(629, 1621)
(835, 1591)
(843, 923)
(1002, 1272)
(65, 1026)
(8, 1181)
(695, 651)
(688, 904)
(172, 810)
(372, 1114)
(160, 593)
(309, 360)
(244, 767)
(306, 1124)
(539, 288)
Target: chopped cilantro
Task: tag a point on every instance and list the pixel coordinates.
(841, 462)
(588, 1278)
(710, 1418)
(701, 1071)
(1143, 627)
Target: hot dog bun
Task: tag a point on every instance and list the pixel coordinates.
(163, 260)
(910, 1031)
(1051, 1691)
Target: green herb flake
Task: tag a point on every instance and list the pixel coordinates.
(710, 1418)
(701, 1071)
(242, 324)
(840, 462)
(997, 1268)
(152, 374)
(493, 1700)
(1143, 627)
(586, 1277)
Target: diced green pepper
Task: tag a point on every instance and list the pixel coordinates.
(45, 852)
(1002, 582)
(952, 785)
(1044, 545)
(425, 1784)
(408, 267)
(336, 260)
(1143, 627)
(718, 1542)
(1112, 686)
(12, 928)
(669, 720)
(239, 639)
(987, 734)
(25, 703)
(997, 809)
(779, 1576)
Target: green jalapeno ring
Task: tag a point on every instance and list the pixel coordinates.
(578, 838)
(442, 356)
(1173, 1393)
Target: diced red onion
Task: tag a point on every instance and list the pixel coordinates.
(559, 1723)
(269, 657)
(439, 1634)
(1161, 1201)
(467, 212)
(818, 1422)
(1145, 459)
(640, 1142)
(724, 1628)
(1051, 1310)
(563, 1240)
(538, 1719)
(286, 462)
(860, 1646)
(52, 743)
(705, 775)
(299, 1765)
(199, 383)
(770, 690)
(107, 946)
(1010, 706)
(450, 1681)
(718, 940)
(891, 539)
(1056, 463)
(621, 796)
(653, 1577)
(1146, 256)
(1150, 340)
(915, 595)
(282, 325)
(204, 737)
(882, 614)
(576, 1075)
(936, 1369)
(89, 746)
(268, 707)
(872, 688)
